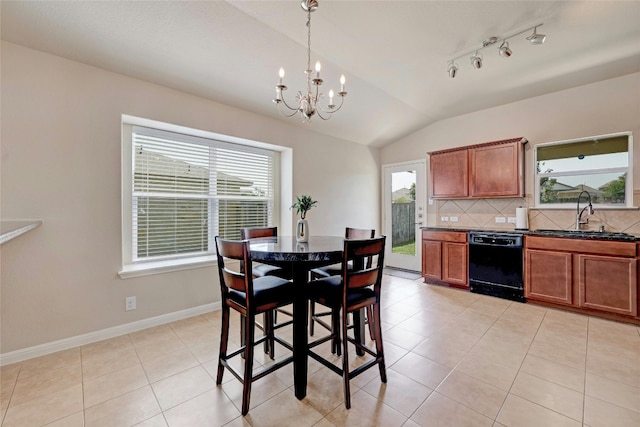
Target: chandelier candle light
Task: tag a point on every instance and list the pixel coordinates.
(309, 103)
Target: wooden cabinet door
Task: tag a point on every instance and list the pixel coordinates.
(432, 259)
(449, 174)
(455, 264)
(548, 276)
(608, 284)
(496, 171)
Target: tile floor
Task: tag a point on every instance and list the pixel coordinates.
(453, 359)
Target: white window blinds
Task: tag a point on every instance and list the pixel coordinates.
(187, 189)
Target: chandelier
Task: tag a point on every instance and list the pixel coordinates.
(308, 104)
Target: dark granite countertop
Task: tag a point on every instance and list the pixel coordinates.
(570, 234)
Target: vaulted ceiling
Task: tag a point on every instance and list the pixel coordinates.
(394, 54)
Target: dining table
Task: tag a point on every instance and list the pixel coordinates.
(300, 257)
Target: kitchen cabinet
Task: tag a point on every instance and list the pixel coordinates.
(449, 174)
(598, 276)
(490, 170)
(445, 257)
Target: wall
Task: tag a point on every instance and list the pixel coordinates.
(60, 162)
(600, 108)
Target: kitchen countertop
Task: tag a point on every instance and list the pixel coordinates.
(571, 234)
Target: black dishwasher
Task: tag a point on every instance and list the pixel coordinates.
(496, 265)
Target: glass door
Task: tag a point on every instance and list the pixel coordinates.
(404, 213)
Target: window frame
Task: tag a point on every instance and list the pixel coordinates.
(130, 267)
(628, 181)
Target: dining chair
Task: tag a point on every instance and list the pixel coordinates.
(349, 292)
(249, 297)
(261, 270)
(334, 270)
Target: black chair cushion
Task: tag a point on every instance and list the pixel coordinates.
(331, 270)
(267, 289)
(329, 289)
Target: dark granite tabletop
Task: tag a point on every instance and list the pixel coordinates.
(287, 249)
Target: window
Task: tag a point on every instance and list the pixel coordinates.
(600, 165)
(183, 190)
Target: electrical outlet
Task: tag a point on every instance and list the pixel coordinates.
(511, 220)
(130, 303)
(431, 201)
(453, 218)
(444, 218)
(500, 219)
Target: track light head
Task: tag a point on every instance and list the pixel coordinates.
(476, 60)
(504, 49)
(536, 38)
(452, 69)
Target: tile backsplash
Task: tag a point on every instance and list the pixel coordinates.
(481, 214)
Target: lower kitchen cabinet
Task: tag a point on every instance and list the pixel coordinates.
(593, 275)
(608, 284)
(549, 276)
(445, 257)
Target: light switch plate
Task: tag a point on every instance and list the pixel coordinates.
(500, 219)
(444, 218)
(511, 220)
(453, 218)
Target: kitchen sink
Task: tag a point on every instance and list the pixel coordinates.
(585, 234)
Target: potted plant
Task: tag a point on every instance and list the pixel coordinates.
(302, 205)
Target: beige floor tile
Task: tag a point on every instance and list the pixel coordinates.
(572, 358)
(550, 395)
(555, 372)
(473, 393)
(423, 327)
(100, 389)
(615, 368)
(499, 376)
(439, 410)
(421, 369)
(46, 382)
(106, 346)
(325, 391)
(598, 413)
(181, 387)
(49, 362)
(9, 373)
(98, 363)
(170, 364)
(155, 421)
(446, 352)
(212, 408)
(45, 409)
(402, 337)
(129, 409)
(284, 410)
(400, 392)
(365, 411)
(73, 420)
(614, 392)
(490, 306)
(261, 390)
(161, 345)
(518, 412)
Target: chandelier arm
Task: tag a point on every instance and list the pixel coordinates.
(287, 105)
(333, 110)
(285, 114)
(319, 112)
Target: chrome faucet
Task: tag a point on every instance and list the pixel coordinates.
(580, 212)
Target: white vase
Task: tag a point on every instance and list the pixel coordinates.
(302, 231)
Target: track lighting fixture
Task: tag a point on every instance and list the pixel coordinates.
(476, 60)
(453, 69)
(504, 50)
(536, 38)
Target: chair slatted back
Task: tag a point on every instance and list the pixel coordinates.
(257, 232)
(371, 249)
(360, 234)
(242, 280)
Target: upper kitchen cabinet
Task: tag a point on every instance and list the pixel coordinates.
(449, 173)
(490, 170)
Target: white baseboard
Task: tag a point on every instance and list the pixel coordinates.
(91, 337)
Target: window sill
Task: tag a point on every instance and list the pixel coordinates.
(159, 267)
